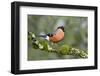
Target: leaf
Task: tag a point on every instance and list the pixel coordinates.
(31, 36)
(44, 44)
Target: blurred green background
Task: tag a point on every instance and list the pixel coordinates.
(76, 33)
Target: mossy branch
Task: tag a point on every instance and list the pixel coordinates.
(62, 50)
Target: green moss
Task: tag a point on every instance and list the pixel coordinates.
(64, 49)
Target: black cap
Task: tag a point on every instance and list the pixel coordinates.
(61, 27)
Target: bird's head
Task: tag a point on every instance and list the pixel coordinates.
(61, 27)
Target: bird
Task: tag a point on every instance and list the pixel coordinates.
(56, 36)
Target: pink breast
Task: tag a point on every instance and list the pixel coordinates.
(57, 37)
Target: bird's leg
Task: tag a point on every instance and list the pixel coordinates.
(54, 45)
